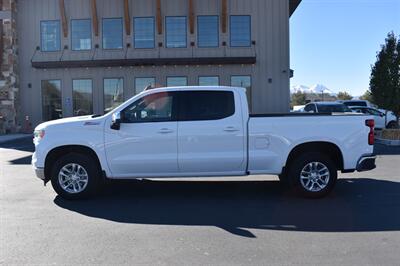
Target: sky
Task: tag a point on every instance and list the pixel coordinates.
(334, 42)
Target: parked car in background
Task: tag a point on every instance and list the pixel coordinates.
(350, 103)
(326, 107)
(381, 120)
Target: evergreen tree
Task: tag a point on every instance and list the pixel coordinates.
(385, 76)
(298, 98)
(344, 96)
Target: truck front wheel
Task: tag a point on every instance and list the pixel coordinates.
(75, 176)
(313, 175)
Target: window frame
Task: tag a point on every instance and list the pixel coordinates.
(41, 35)
(166, 32)
(215, 76)
(123, 91)
(181, 94)
(174, 114)
(198, 24)
(166, 81)
(230, 32)
(122, 34)
(134, 81)
(41, 96)
(91, 34)
(154, 33)
(73, 106)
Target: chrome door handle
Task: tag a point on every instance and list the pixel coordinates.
(231, 129)
(165, 131)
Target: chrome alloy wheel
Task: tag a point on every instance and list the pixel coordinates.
(73, 178)
(314, 176)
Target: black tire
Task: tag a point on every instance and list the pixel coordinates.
(93, 176)
(304, 162)
(392, 125)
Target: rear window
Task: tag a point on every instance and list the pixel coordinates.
(205, 105)
(355, 103)
(333, 108)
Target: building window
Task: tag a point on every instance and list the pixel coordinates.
(112, 33)
(240, 31)
(176, 32)
(50, 36)
(113, 93)
(82, 96)
(144, 32)
(207, 31)
(209, 81)
(243, 82)
(142, 83)
(81, 34)
(176, 81)
(51, 100)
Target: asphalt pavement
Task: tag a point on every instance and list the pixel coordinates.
(220, 221)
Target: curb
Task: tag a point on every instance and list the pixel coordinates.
(388, 142)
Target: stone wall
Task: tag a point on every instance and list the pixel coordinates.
(9, 67)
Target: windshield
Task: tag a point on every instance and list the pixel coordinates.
(333, 108)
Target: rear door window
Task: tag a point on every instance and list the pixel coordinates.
(205, 105)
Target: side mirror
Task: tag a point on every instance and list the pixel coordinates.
(116, 121)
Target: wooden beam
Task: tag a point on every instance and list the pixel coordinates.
(159, 18)
(191, 17)
(127, 18)
(224, 15)
(93, 7)
(63, 18)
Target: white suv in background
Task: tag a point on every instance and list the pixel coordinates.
(380, 120)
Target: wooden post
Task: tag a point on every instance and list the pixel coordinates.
(95, 20)
(191, 17)
(159, 18)
(127, 18)
(224, 15)
(63, 18)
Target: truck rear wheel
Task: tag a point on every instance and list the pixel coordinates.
(75, 176)
(313, 175)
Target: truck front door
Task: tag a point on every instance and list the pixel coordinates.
(146, 143)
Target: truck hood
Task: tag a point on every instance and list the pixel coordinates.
(84, 120)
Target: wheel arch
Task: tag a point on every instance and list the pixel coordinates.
(60, 151)
(325, 147)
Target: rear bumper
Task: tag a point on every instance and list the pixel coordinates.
(366, 163)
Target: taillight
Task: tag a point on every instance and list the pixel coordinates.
(371, 124)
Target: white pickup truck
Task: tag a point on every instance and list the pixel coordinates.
(200, 131)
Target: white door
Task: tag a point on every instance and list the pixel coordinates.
(146, 143)
(210, 133)
(378, 117)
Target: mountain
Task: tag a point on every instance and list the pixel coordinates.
(317, 88)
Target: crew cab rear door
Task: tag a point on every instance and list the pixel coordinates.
(211, 133)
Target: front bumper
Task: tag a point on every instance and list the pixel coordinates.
(40, 173)
(366, 163)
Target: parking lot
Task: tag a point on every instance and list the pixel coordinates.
(246, 220)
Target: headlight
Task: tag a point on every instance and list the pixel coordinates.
(38, 134)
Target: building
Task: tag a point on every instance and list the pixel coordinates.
(76, 57)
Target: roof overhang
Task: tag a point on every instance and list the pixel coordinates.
(293, 4)
(145, 62)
